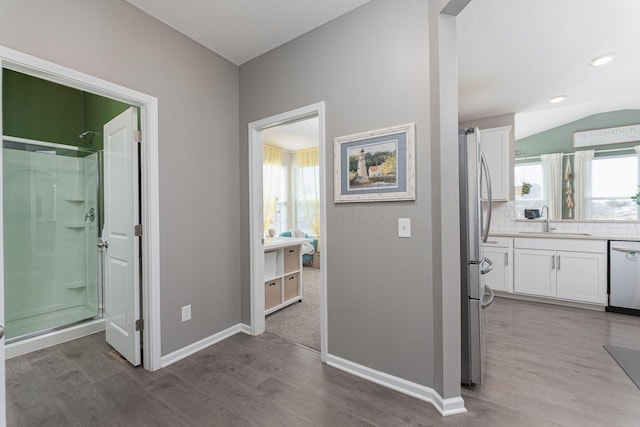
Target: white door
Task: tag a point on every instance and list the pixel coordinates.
(582, 276)
(121, 250)
(535, 272)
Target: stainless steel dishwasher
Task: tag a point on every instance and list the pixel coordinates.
(624, 277)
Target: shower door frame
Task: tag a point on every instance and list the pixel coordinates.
(99, 253)
(149, 189)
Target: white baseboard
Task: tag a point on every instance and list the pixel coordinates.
(53, 338)
(245, 329)
(451, 406)
(552, 300)
(201, 345)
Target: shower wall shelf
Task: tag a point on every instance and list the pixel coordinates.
(75, 285)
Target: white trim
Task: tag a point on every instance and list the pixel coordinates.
(256, 249)
(450, 406)
(201, 345)
(245, 329)
(46, 70)
(53, 338)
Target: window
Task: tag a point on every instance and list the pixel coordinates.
(529, 190)
(613, 181)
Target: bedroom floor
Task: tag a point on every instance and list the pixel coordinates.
(300, 322)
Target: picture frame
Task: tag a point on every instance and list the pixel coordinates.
(375, 166)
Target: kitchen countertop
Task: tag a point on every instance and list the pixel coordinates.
(562, 235)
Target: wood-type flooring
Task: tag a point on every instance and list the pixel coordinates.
(545, 367)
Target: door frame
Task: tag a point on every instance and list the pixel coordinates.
(149, 200)
(256, 247)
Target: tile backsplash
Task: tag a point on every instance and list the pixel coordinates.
(504, 221)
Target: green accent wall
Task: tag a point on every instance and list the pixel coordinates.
(44, 111)
(37, 109)
(560, 139)
(98, 110)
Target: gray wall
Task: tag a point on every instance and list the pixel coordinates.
(198, 107)
(371, 67)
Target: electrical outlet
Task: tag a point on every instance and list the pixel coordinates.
(186, 313)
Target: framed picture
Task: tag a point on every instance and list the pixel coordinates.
(375, 166)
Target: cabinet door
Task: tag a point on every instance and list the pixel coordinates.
(535, 272)
(582, 276)
(495, 145)
(500, 277)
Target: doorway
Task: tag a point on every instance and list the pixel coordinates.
(279, 216)
(147, 105)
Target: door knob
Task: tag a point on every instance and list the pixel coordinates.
(103, 244)
(1, 331)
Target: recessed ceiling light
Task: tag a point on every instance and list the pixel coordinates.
(603, 59)
(557, 99)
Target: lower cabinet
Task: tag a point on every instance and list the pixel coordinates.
(577, 275)
(499, 251)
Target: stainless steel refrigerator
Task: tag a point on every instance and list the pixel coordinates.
(475, 221)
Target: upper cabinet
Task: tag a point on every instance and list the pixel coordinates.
(495, 145)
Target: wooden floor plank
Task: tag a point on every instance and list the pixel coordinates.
(545, 367)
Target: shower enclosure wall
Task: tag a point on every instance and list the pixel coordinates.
(51, 225)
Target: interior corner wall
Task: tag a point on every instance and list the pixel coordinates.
(445, 184)
(371, 67)
(197, 93)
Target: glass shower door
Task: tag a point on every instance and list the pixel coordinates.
(50, 195)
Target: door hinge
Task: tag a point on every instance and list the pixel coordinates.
(137, 230)
(139, 325)
(137, 136)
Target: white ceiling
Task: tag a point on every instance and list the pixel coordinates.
(241, 30)
(293, 136)
(515, 55)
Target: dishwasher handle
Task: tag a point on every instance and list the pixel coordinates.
(625, 249)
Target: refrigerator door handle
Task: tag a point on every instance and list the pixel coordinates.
(487, 292)
(485, 167)
(489, 266)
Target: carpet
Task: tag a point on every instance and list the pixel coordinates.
(300, 322)
(629, 361)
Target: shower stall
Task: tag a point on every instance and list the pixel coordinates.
(51, 226)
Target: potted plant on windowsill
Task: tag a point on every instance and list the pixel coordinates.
(526, 187)
(636, 198)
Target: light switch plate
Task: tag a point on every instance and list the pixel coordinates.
(186, 313)
(404, 227)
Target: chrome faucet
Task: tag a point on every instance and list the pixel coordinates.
(546, 221)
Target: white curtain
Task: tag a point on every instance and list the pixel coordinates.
(582, 183)
(271, 181)
(308, 186)
(552, 183)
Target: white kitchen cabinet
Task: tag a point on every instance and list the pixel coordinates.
(582, 276)
(573, 270)
(535, 273)
(494, 143)
(499, 251)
